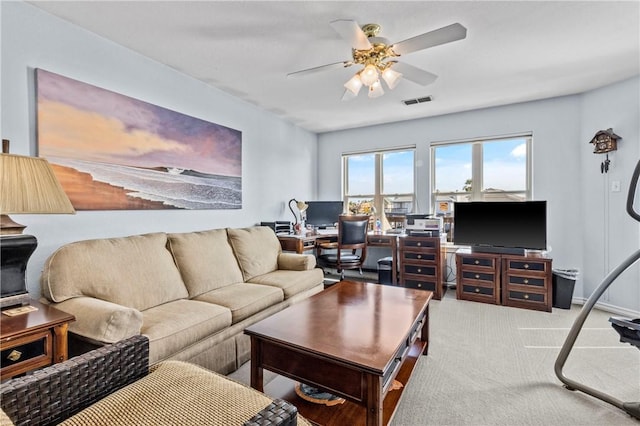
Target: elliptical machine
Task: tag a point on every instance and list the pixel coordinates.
(629, 329)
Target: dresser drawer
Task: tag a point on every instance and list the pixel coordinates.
(536, 282)
(429, 285)
(419, 256)
(425, 243)
(419, 270)
(479, 276)
(527, 296)
(487, 262)
(526, 265)
(478, 290)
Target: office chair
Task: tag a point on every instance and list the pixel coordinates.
(351, 248)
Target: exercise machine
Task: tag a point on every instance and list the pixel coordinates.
(629, 329)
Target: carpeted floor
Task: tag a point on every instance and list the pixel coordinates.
(493, 365)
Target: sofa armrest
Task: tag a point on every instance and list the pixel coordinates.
(101, 321)
(296, 262)
(54, 393)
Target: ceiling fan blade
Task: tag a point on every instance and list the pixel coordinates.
(414, 74)
(351, 31)
(308, 71)
(443, 35)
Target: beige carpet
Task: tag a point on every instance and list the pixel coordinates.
(493, 365)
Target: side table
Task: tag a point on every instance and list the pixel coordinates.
(33, 340)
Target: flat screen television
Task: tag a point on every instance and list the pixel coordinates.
(323, 214)
(501, 226)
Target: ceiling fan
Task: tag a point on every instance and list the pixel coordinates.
(378, 56)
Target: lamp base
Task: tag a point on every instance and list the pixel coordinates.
(15, 251)
(9, 227)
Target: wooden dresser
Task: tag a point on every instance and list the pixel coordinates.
(421, 264)
(507, 279)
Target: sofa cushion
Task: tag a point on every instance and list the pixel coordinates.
(256, 249)
(176, 393)
(205, 260)
(174, 326)
(136, 271)
(296, 262)
(244, 300)
(291, 282)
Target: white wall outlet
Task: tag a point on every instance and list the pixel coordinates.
(615, 186)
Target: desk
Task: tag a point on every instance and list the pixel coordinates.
(302, 243)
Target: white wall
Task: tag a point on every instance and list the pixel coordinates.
(33, 39)
(611, 235)
(564, 172)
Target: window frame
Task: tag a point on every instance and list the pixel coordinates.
(378, 196)
(477, 168)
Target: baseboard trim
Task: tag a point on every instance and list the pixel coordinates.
(609, 308)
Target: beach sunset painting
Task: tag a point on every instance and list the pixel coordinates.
(114, 152)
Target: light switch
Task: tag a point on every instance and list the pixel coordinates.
(615, 186)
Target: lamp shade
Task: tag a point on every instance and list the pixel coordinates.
(369, 75)
(28, 185)
(376, 90)
(391, 77)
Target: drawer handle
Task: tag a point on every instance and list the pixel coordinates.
(526, 266)
(419, 285)
(477, 290)
(14, 355)
(477, 276)
(477, 262)
(526, 281)
(526, 296)
(419, 270)
(419, 256)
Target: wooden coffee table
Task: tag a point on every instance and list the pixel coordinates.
(351, 340)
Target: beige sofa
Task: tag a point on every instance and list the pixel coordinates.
(192, 294)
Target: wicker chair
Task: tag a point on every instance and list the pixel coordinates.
(56, 393)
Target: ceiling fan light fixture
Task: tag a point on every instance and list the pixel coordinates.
(369, 75)
(391, 77)
(354, 84)
(376, 90)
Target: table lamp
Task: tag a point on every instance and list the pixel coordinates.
(27, 186)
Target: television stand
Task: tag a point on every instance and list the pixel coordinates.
(521, 281)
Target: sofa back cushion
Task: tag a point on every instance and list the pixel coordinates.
(205, 260)
(136, 271)
(256, 248)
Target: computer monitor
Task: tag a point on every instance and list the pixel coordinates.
(323, 214)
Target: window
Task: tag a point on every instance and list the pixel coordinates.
(383, 180)
(481, 170)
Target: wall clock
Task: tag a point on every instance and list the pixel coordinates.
(605, 141)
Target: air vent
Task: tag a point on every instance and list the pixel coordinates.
(417, 100)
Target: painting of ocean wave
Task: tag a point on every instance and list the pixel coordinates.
(111, 152)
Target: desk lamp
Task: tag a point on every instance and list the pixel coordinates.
(301, 205)
(27, 186)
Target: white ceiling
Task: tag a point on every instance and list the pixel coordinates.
(514, 51)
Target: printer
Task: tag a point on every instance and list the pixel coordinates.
(423, 225)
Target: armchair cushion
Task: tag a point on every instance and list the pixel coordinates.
(176, 393)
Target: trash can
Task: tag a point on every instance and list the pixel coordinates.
(564, 280)
(384, 270)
